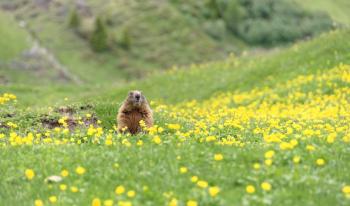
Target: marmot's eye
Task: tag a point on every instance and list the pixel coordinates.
(131, 93)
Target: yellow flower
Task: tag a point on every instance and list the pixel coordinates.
(157, 140)
(131, 193)
(256, 166)
(174, 126)
(268, 162)
(310, 148)
(296, 159)
(173, 202)
(202, 184)
(320, 162)
(80, 170)
(266, 186)
(64, 173)
(108, 202)
(29, 173)
(38, 202)
(119, 190)
(139, 143)
(183, 170)
(53, 199)
(96, 202)
(194, 179)
(191, 203)
(269, 154)
(108, 142)
(74, 189)
(346, 189)
(331, 138)
(124, 203)
(250, 189)
(218, 157)
(213, 191)
(63, 187)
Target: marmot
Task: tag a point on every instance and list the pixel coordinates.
(134, 108)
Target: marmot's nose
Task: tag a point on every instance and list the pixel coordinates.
(137, 96)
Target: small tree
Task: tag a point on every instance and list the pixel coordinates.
(125, 40)
(74, 20)
(99, 38)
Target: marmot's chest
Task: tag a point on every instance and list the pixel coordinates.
(133, 121)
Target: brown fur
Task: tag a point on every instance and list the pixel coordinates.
(130, 114)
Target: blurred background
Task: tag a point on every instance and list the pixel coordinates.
(97, 42)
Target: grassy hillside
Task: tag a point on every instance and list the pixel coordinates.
(338, 9)
(201, 81)
(158, 35)
(14, 39)
(272, 130)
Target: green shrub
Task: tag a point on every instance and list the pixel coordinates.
(257, 22)
(74, 20)
(215, 28)
(125, 40)
(232, 13)
(269, 22)
(99, 38)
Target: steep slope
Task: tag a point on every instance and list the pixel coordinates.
(158, 34)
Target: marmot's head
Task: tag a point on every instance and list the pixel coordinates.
(135, 98)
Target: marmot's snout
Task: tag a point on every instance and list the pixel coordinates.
(136, 98)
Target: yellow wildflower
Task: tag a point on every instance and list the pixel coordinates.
(131, 193)
(53, 199)
(38, 202)
(266, 186)
(213, 191)
(183, 170)
(250, 189)
(29, 173)
(119, 190)
(80, 170)
(320, 162)
(96, 202)
(194, 179)
(202, 184)
(108, 202)
(191, 203)
(64, 173)
(218, 157)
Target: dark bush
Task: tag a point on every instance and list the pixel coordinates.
(125, 40)
(269, 22)
(74, 20)
(99, 38)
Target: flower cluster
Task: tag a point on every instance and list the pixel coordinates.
(294, 123)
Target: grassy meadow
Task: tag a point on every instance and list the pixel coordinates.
(268, 129)
(251, 102)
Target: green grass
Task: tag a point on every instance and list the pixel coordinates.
(338, 9)
(13, 38)
(157, 166)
